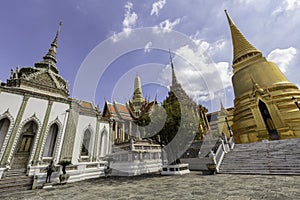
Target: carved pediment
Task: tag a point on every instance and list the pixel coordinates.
(45, 79)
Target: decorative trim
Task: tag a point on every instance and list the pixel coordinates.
(58, 138)
(90, 128)
(7, 115)
(9, 149)
(21, 91)
(96, 142)
(67, 149)
(39, 124)
(43, 132)
(104, 133)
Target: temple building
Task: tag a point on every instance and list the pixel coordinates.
(183, 137)
(220, 122)
(263, 106)
(39, 122)
(177, 93)
(132, 152)
(124, 116)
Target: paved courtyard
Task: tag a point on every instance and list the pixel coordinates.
(191, 186)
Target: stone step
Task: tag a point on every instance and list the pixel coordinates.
(6, 192)
(15, 172)
(262, 168)
(279, 157)
(15, 182)
(277, 172)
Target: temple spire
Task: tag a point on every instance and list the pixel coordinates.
(174, 79)
(138, 97)
(223, 109)
(50, 57)
(242, 48)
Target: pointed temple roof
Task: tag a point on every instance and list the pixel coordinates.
(43, 77)
(174, 79)
(50, 57)
(223, 109)
(176, 91)
(241, 46)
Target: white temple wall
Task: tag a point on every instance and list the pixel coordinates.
(58, 111)
(103, 150)
(84, 123)
(57, 115)
(37, 107)
(10, 101)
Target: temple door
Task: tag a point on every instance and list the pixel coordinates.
(268, 121)
(21, 156)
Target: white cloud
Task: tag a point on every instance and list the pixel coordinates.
(166, 26)
(147, 47)
(292, 4)
(130, 18)
(287, 5)
(246, 1)
(201, 78)
(115, 37)
(156, 6)
(212, 48)
(282, 57)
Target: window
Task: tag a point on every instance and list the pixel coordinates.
(51, 141)
(86, 143)
(4, 126)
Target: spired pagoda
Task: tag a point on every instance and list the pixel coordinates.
(263, 106)
(178, 94)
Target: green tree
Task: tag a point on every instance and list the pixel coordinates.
(173, 125)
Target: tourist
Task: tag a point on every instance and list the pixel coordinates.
(107, 171)
(50, 168)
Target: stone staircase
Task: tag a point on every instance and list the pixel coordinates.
(274, 157)
(14, 181)
(198, 161)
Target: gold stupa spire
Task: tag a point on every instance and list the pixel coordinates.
(138, 93)
(241, 46)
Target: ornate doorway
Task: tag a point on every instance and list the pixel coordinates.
(22, 154)
(268, 121)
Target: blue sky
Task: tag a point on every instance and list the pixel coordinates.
(136, 36)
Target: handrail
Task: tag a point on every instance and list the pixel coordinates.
(218, 157)
(231, 142)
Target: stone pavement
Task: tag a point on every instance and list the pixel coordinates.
(190, 186)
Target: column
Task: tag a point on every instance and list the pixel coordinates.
(116, 131)
(69, 139)
(62, 134)
(130, 129)
(96, 141)
(14, 132)
(110, 136)
(38, 152)
(123, 132)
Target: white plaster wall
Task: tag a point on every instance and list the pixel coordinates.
(103, 125)
(58, 111)
(10, 101)
(82, 125)
(37, 106)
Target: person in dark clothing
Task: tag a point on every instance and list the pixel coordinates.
(50, 168)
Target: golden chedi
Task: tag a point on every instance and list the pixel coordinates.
(263, 106)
